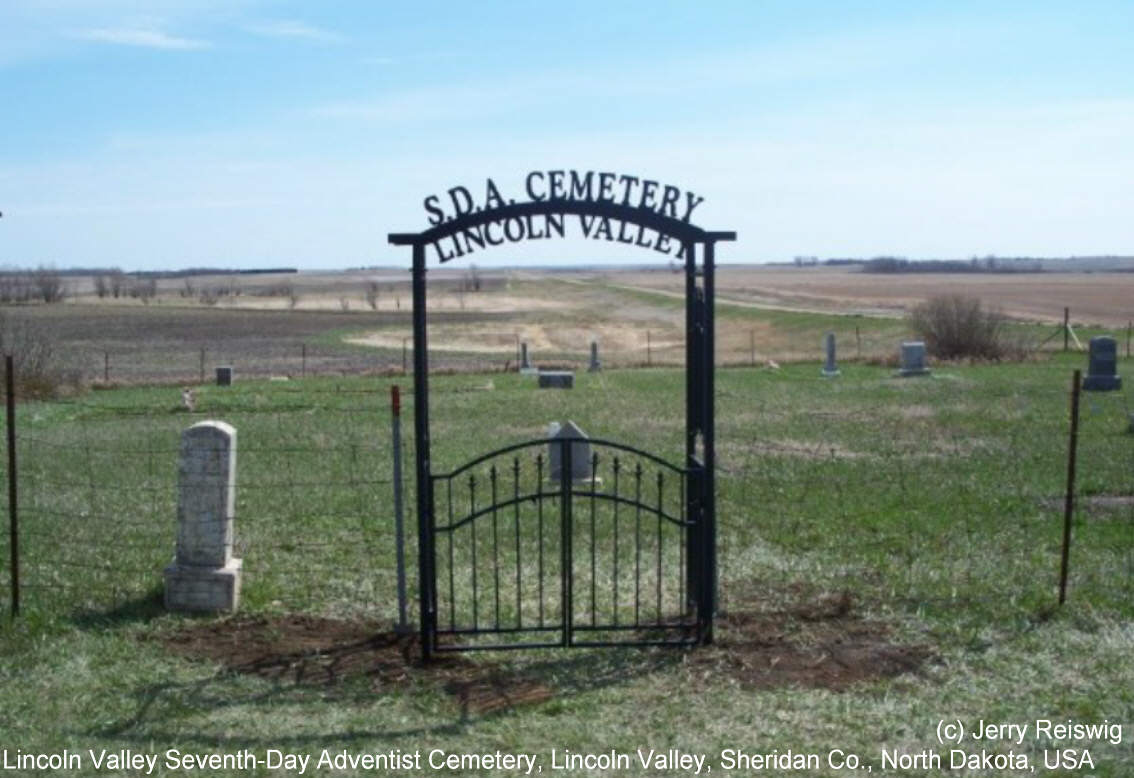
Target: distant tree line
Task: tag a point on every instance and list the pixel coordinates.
(25, 286)
(974, 265)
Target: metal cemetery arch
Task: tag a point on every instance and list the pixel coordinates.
(690, 516)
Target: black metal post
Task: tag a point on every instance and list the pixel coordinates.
(565, 541)
(303, 360)
(1069, 500)
(693, 495)
(708, 506)
(13, 502)
(202, 365)
(421, 452)
(106, 366)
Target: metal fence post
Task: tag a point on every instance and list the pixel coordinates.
(202, 365)
(13, 503)
(1069, 500)
(399, 533)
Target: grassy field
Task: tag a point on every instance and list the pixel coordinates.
(889, 557)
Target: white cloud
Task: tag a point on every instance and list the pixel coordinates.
(129, 36)
(296, 30)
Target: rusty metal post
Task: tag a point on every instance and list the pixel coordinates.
(13, 502)
(1069, 500)
(399, 531)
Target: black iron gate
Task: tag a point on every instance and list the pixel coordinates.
(524, 555)
(576, 593)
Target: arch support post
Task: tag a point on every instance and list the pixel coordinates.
(426, 596)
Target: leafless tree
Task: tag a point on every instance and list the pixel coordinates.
(49, 285)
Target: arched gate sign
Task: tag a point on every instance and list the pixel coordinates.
(518, 549)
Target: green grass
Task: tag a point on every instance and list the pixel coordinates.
(936, 501)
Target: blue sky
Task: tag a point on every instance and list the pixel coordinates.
(254, 133)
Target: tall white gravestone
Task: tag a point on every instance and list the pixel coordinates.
(204, 575)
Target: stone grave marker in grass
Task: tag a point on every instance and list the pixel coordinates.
(204, 575)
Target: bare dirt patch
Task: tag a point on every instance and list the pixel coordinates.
(814, 643)
(819, 643)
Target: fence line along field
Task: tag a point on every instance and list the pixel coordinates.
(889, 548)
(295, 325)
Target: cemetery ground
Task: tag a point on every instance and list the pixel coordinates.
(889, 557)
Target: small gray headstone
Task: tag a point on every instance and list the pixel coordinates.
(224, 376)
(580, 452)
(524, 363)
(913, 359)
(556, 379)
(595, 365)
(204, 576)
(1102, 370)
(830, 369)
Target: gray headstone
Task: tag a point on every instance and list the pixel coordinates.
(204, 575)
(556, 379)
(524, 363)
(595, 365)
(1102, 369)
(224, 376)
(830, 369)
(580, 451)
(913, 359)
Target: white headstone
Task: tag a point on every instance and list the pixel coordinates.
(204, 576)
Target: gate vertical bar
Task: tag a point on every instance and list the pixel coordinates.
(708, 500)
(567, 563)
(421, 454)
(13, 502)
